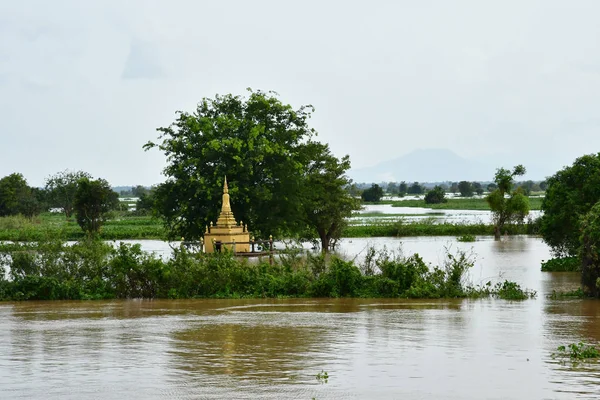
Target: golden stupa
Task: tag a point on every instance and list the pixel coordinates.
(227, 233)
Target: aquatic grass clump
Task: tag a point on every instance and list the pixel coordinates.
(322, 377)
(466, 238)
(571, 294)
(509, 290)
(426, 227)
(577, 351)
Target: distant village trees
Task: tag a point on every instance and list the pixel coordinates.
(93, 200)
(17, 197)
(372, 194)
(61, 188)
(436, 195)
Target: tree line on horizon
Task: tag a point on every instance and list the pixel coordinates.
(464, 188)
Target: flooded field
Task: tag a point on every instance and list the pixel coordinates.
(386, 213)
(379, 348)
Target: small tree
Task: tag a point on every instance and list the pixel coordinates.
(139, 190)
(93, 200)
(392, 188)
(415, 188)
(509, 209)
(477, 188)
(373, 194)
(16, 197)
(62, 187)
(590, 251)
(436, 195)
(327, 204)
(465, 188)
(402, 189)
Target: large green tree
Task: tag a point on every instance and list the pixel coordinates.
(465, 188)
(16, 197)
(93, 200)
(263, 146)
(590, 251)
(570, 194)
(507, 206)
(326, 201)
(62, 187)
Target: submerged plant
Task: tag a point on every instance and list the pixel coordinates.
(322, 377)
(577, 351)
(466, 238)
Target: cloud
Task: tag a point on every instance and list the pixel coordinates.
(142, 62)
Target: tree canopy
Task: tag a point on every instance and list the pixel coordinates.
(570, 194)
(590, 251)
(16, 197)
(415, 188)
(62, 187)
(327, 204)
(266, 150)
(436, 195)
(465, 188)
(372, 194)
(509, 209)
(93, 200)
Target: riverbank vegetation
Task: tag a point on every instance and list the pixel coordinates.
(123, 225)
(118, 226)
(431, 227)
(471, 203)
(91, 269)
(562, 264)
(570, 224)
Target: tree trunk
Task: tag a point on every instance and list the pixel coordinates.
(496, 232)
(325, 239)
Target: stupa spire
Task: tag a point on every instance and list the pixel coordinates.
(226, 217)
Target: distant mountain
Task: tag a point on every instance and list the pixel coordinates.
(425, 165)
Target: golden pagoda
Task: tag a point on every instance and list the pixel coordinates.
(226, 233)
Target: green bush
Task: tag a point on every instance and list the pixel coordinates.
(92, 269)
(562, 264)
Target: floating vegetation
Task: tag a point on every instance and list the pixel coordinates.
(466, 238)
(577, 351)
(323, 377)
(571, 294)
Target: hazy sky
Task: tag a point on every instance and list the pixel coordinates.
(84, 84)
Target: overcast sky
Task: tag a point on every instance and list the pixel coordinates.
(84, 84)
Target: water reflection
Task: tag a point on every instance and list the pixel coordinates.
(382, 348)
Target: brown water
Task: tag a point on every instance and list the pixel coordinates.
(422, 349)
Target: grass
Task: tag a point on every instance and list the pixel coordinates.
(427, 228)
(572, 294)
(375, 214)
(535, 203)
(127, 226)
(121, 226)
